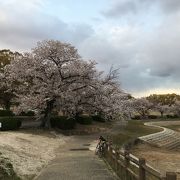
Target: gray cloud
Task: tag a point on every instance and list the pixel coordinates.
(24, 28)
(169, 6)
(155, 59)
(151, 58)
(111, 46)
(161, 49)
(147, 54)
(119, 8)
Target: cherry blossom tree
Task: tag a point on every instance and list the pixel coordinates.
(161, 108)
(6, 93)
(98, 98)
(141, 106)
(54, 76)
(175, 108)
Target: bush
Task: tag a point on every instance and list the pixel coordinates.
(10, 123)
(136, 117)
(84, 120)
(6, 113)
(28, 113)
(98, 118)
(54, 113)
(6, 169)
(171, 116)
(63, 122)
(152, 116)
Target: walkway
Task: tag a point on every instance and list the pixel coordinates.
(76, 162)
(167, 138)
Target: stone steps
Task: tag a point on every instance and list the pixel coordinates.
(167, 138)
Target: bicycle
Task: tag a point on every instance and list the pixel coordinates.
(100, 148)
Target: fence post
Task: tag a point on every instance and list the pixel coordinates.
(110, 155)
(142, 172)
(171, 176)
(117, 158)
(106, 150)
(126, 156)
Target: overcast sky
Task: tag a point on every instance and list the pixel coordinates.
(141, 37)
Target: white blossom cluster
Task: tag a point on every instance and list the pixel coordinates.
(175, 108)
(141, 106)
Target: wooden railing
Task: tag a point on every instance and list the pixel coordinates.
(129, 167)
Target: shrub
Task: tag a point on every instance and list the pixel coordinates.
(172, 116)
(136, 117)
(152, 116)
(28, 113)
(10, 123)
(98, 118)
(54, 113)
(63, 122)
(6, 113)
(7, 170)
(175, 116)
(84, 120)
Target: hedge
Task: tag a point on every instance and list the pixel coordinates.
(28, 113)
(172, 116)
(152, 116)
(84, 120)
(63, 122)
(6, 113)
(136, 117)
(6, 169)
(98, 118)
(10, 123)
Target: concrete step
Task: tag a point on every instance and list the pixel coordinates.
(166, 139)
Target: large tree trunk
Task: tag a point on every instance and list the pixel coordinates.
(162, 114)
(144, 115)
(7, 105)
(77, 115)
(45, 121)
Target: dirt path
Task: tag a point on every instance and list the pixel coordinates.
(162, 159)
(76, 162)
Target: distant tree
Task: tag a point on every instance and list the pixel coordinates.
(6, 92)
(163, 99)
(175, 108)
(162, 109)
(163, 102)
(142, 106)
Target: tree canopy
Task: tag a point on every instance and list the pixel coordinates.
(6, 94)
(163, 99)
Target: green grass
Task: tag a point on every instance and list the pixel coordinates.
(174, 127)
(134, 129)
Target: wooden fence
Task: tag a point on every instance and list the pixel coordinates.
(128, 167)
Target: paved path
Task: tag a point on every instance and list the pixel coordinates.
(167, 138)
(76, 162)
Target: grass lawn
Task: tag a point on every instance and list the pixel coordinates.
(174, 127)
(134, 129)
